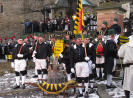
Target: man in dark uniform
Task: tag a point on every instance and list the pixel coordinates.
(116, 26)
(72, 39)
(8, 49)
(33, 55)
(110, 57)
(41, 53)
(29, 46)
(99, 47)
(1, 51)
(79, 61)
(91, 62)
(20, 53)
(65, 58)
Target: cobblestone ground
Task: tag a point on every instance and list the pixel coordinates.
(7, 82)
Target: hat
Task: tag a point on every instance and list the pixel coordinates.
(72, 36)
(98, 33)
(68, 33)
(86, 36)
(105, 23)
(78, 36)
(66, 41)
(111, 31)
(116, 19)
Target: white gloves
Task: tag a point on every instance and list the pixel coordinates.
(12, 65)
(61, 56)
(72, 70)
(20, 55)
(64, 66)
(31, 48)
(87, 58)
(34, 53)
(34, 59)
(93, 66)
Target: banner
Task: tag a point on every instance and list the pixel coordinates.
(79, 21)
(58, 48)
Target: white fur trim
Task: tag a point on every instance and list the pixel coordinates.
(75, 46)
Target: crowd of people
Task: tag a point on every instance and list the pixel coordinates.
(86, 59)
(48, 25)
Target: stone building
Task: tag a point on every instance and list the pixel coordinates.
(13, 13)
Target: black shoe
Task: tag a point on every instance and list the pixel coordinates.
(83, 90)
(110, 86)
(102, 79)
(91, 91)
(35, 76)
(80, 95)
(72, 75)
(86, 95)
(97, 78)
(23, 86)
(16, 87)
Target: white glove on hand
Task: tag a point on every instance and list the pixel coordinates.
(34, 59)
(64, 66)
(31, 48)
(61, 56)
(12, 65)
(93, 66)
(20, 55)
(72, 70)
(34, 52)
(87, 58)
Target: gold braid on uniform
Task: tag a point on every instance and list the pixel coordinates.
(55, 88)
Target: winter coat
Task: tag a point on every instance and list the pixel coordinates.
(126, 52)
(110, 56)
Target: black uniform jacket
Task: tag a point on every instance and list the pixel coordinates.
(24, 51)
(90, 51)
(77, 54)
(66, 56)
(43, 51)
(110, 54)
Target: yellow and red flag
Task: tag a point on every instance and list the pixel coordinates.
(79, 21)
